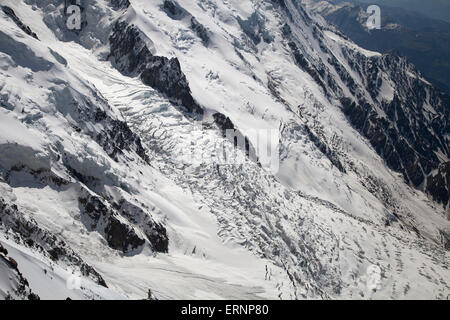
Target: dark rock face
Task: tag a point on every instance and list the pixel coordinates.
(438, 185)
(155, 232)
(97, 216)
(174, 10)
(302, 63)
(3, 250)
(254, 28)
(132, 57)
(279, 3)
(120, 4)
(200, 30)
(10, 13)
(121, 234)
(129, 51)
(166, 76)
(445, 239)
(223, 122)
(117, 136)
(325, 149)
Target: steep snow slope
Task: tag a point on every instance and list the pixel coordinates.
(96, 168)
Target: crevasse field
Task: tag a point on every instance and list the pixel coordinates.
(99, 198)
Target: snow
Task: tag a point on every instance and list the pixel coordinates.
(235, 232)
(50, 281)
(337, 38)
(24, 148)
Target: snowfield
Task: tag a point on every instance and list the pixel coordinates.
(99, 198)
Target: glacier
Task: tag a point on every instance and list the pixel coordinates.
(100, 198)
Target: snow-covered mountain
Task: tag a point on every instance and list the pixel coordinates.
(424, 41)
(109, 173)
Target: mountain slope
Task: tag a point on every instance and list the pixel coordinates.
(423, 40)
(112, 164)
